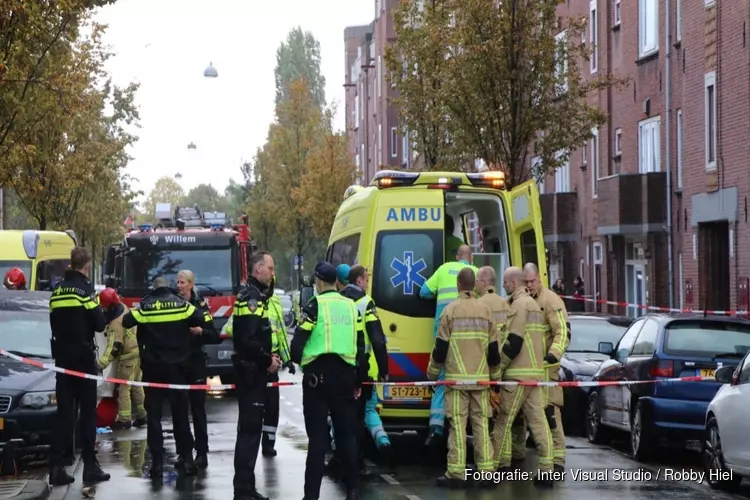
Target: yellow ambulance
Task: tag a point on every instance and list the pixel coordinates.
(43, 256)
(396, 228)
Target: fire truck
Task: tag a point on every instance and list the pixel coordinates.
(186, 238)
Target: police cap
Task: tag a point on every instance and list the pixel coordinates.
(325, 272)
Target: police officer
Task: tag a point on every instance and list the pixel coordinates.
(122, 345)
(329, 346)
(466, 349)
(442, 285)
(201, 335)
(557, 338)
(523, 359)
(253, 362)
(75, 316)
(280, 348)
(164, 321)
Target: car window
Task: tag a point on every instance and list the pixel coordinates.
(404, 261)
(344, 251)
(587, 333)
(49, 273)
(26, 332)
(286, 301)
(627, 340)
(645, 345)
(706, 338)
(23, 265)
(744, 372)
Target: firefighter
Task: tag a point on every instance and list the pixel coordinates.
(329, 346)
(201, 336)
(15, 279)
(164, 321)
(122, 345)
(452, 242)
(557, 337)
(467, 349)
(280, 348)
(442, 286)
(75, 316)
(253, 362)
(523, 359)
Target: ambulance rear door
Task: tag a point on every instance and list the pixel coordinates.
(525, 227)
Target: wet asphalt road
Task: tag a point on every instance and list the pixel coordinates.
(411, 476)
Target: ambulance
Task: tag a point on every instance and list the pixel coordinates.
(396, 229)
(43, 256)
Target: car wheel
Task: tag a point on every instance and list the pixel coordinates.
(641, 433)
(713, 460)
(595, 431)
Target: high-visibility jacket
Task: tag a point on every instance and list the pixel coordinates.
(524, 346)
(335, 330)
(279, 340)
(365, 316)
(499, 307)
(443, 286)
(117, 334)
(556, 329)
(464, 347)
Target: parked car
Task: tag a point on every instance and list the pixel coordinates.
(582, 359)
(654, 348)
(726, 446)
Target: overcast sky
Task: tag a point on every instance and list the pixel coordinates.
(166, 44)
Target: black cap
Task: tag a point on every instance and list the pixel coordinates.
(325, 272)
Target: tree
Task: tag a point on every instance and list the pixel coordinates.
(417, 66)
(207, 198)
(260, 205)
(299, 57)
(166, 190)
(236, 196)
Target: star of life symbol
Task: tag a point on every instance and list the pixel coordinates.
(408, 273)
(154, 239)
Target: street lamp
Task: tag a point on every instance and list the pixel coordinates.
(178, 176)
(210, 71)
(192, 146)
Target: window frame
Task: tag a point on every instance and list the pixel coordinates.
(562, 184)
(331, 251)
(618, 142)
(679, 131)
(561, 38)
(598, 248)
(709, 3)
(710, 114)
(594, 36)
(657, 328)
(653, 122)
(616, 13)
(380, 144)
(678, 20)
(394, 142)
(637, 326)
(380, 76)
(595, 164)
(646, 10)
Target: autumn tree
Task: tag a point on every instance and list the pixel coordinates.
(165, 190)
(260, 205)
(418, 68)
(207, 198)
(299, 57)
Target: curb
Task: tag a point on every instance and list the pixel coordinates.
(32, 489)
(60, 492)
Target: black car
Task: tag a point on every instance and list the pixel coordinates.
(27, 393)
(581, 360)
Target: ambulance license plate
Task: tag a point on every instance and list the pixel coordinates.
(707, 372)
(225, 354)
(408, 392)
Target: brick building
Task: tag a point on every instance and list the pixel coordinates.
(372, 125)
(605, 213)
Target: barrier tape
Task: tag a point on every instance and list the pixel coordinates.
(426, 383)
(738, 312)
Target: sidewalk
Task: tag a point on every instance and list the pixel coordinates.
(25, 489)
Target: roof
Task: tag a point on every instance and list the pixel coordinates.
(610, 318)
(692, 316)
(24, 300)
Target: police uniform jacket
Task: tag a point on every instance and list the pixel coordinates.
(252, 328)
(373, 328)
(209, 336)
(164, 320)
(75, 316)
(330, 364)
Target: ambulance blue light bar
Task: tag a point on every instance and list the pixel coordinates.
(393, 178)
(493, 179)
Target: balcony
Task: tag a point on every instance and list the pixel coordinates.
(632, 203)
(559, 217)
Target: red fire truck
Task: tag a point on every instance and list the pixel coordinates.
(186, 238)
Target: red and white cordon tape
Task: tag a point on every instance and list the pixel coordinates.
(655, 308)
(427, 383)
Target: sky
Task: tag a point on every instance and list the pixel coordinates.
(165, 45)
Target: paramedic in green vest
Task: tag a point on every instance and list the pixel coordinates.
(452, 242)
(442, 286)
(377, 356)
(280, 348)
(329, 345)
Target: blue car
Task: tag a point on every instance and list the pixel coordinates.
(658, 347)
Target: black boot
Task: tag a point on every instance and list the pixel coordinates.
(58, 476)
(450, 482)
(201, 460)
(69, 460)
(157, 468)
(351, 494)
(140, 422)
(252, 495)
(93, 473)
(559, 470)
(516, 463)
(543, 482)
(121, 425)
(269, 451)
(188, 465)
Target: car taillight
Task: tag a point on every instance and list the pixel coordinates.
(224, 336)
(662, 369)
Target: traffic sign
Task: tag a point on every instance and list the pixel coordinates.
(298, 262)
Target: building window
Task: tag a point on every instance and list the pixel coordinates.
(710, 3)
(649, 145)
(710, 121)
(678, 20)
(380, 76)
(598, 259)
(648, 27)
(679, 149)
(584, 154)
(562, 177)
(394, 142)
(618, 142)
(616, 12)
(356, 112)
(380, 144)
(594, 162)
(561, 63)
(405, 149)
(365, 161)
(594, 36)
(681, 280)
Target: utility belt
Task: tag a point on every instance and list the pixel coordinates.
(60, 350)
(313, 380)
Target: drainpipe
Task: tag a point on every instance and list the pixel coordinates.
(668, 106)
